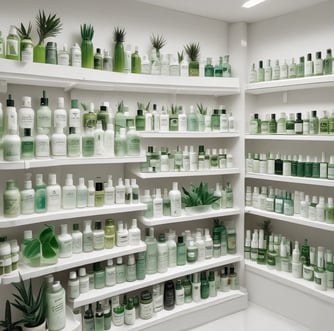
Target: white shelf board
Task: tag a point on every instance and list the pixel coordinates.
(14, 72)
(189, 134)
(287, 279)
(172, 174)
(65, 214)
(76, 260)
(292, 84)
(290, 219)
(188, 218)
(172, 273)
(292, 179)
(240, 297)
(49, 162)
(290, 137)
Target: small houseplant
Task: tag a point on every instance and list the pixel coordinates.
(119, 57)
(198, 198)
(45, 247)
(47, 26)
(7, 323)
(26, 45)
(87, 48)
(32, 306)
(203, 112)
(193, 50)
(157, 41)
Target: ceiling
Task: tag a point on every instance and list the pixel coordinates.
(231, 10)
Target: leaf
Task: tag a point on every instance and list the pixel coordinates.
(46, 234)
(47, 251)
(32, 248)
(54, 243)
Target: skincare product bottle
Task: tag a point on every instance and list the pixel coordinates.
(87, 236)
(83, 280)
(58, 142)
(110, 271)
(175, 199)
(169, 295)
(131, 269)
(179, 293)
(134, 234)
(268, 71)
(109, 193)
(73, 288)
(27, 197)
(301, 67)
(157, 204)
(76, 239)
(109, 234)
(11, 200)
(162, 254)
(13, 44)
(60, 115)
(127, 191)
(120, 271)
(140, 266)
(40, 194)
(172, 253)
(122, 236)
(319, 271)
(148, 213)
(99, 193)
(108, 140)
(73, 143)
(56, 307)
(25, 116)
(65, 240)
(43, 115)
(99, 275)
(98, 236)
(196, 287)
(318, 64)
(151, 252)
(42, 145)
(53, 192)
(181, 252)
(284, 70)
(252, 74)
(98, 139)
(81, 194)
(120, 192)
(296, 264)
(69, 198)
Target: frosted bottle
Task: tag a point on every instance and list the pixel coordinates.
(42, 145)
(171, 244)
(110, 271)
(58, 143)
(134, 234)
(108, 140)
(60, 114)
(56, 307)
(74, 115)
(81, 194)
(26, 116)
(157, 204)
(175, 200)
(11, 146)
(162, 254)
(65, 240)
(11, 200)
(69, 193)
(88, 236)
(76, 239)
(53, 193)
(10, 115)
(151, 252)
(27, 198)
(99, 139)
(109, 193)
(43, 115)
(73, 143)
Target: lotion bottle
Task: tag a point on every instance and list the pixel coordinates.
(58, 142)
(122, 236)
(27, 197)
(60, 115)
(87, 236)
(134, 234)
(69, 193)
(11, 146)
(65, 240)
(53, 192)
(151, 252)
(175, 200)
(76, 239)
(162, 254)
(42, 144)
(43, 115)
(26, 116)
(27, 145)
(56, 307)
(10, 119)
(81, 194)
(73, 143)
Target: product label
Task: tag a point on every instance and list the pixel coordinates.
(83, 284)
(27, 202)
(146, 310)
(110, 276)
(12, 47)
(74, 118)
(42, 148)
(98, 241)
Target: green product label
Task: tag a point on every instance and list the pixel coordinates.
(324, 127)
(173, 124)
(87, 146)
(133, 145)
(27, 147)
(11, 206)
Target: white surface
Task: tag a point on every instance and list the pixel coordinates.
(231, 11)
(290, 137)
(196, 135)
(254, 318)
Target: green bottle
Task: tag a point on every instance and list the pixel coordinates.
(120, 119)
(301, 67)
(140, 120)
(27, 145)
(11, 200)
(151, 252)
(260, 72)
(98, 59)
(226, 66)
(88, 143)
(13, 44)
(273, 124)
(292, 70)
(135, 62)
(88, 322)
(103, 116)
(40, 194)
(186, 283)
(209, 70)
(192, 120)
(255, 124)
(265, 125)
(120, 143)
(205, 288)
(132, 142)
(215, 120)
(90, 118)
(73, 143)
(218, 70)
(290, 124)
(140, 266)
(299, 124)
(331, 124)
(99, 317)
(328, 62)
(2, 46)
(324, 123)
(181, 251)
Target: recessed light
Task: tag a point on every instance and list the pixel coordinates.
(252, 3)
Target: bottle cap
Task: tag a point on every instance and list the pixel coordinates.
(63, 228)
(131, 259)
(98, 225)
(162, 238)
(74, 103)
(110, 262)
(52, 179)
(180, 240)
(82, 272)
(119, 260)
(44, 99)
(10, 101)
(73, 275)
(26, 102)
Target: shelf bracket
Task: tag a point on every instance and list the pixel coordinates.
(3, 86)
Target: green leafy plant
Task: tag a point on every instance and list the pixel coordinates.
(142, 106)
(180, 56)
(120, 107)
(47, 26)
(24, 32)
(7, 323)
(46, 244)
(158, 41)
(173, 110)
(198, 196)
(192, 50)
(202, 109)
(33, 307)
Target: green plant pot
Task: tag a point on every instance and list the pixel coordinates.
(193, 69)
(87, 54)
(198, 209)
(173, 122)
(39, 53)
(119, 58)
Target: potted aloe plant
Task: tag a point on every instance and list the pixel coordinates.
(47, 26)
(26, 45)
(193, 50)
(157, 41)
(43, 248)
(32, 306)
(198, 198)
(119, 56)
(87, 48)
(7, 323)
(203, 112)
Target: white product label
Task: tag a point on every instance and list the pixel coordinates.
(58, 146)
(73, 289)
(157, 208)
(42, 148)
(146, 310)
(158, 302)
(179, 297)
(63, 59)
(122, 239)
(83, 284)
(120, 196)
(26, 120)
(109, 197)
(308, 68)
(76, 59)
(330, 279)
(76, 243)
(91, 199)
(27, 54)
(299, 127)
(129, 316)
(27, 203)
(162, 260)
(98, 241)
(131, 273)
(74, 118)
(65, 248)
(12, 47)
(53, 199)
(175, 205)
(110, 276)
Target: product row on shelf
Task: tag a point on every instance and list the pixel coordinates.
(287, 165)
(186, 159)
(19, 46)
(275, 71)
(309, 263)
(299, 124)
(296, 204)
(49, 248)
(163, 296)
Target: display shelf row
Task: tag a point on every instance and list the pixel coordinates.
(76, 260)
(66, 214)
(292, 179)
(185, 217)
(189, 134)
(287, 279)
(284, 85)
(290, 219)
(173, 174)
(172, 273)
(14, 72)
(238, 299)
(290, 137)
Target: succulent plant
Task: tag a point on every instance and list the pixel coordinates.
(158, 41)
(119, 34)
(24, 32)
(202, 109)
(87, 32)
(198, 196)
(192, 50)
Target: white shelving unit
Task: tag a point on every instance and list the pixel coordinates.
(290, 219)
(192, 135)
(287, 279)
(185, 217)
(174, 174)
(172, 273)
(292, 179)
(76, 260)
(290, 137)
(65, 214)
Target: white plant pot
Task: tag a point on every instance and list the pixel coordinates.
(41, 327)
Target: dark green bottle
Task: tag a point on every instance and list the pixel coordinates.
(273, 124)
(103, 116)
(205, 288)
(215, 120)
(140, 120)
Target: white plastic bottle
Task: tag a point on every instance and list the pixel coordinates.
(134, 234)
(53, 194)
(76, 239)
(296, 264)
(175, 200)
(120, 192)
(87, 236)
(58, 143)
(74, 116)
(201, 246)
(131, 269)
(11, 146)
(26, 116)
(91, 194)
(56, 307)
(128, 191)
(83, 280)
(208, 244)
(110, 271)
(109, 141)
(82, 193)
(171, 244)
(60, 114)
(10, 118)
(75, 56)
(157, 204)
(42, 145)
(73, 286)
(164, 120)
(109, 193)
(162, 254)
(65, 240)
(27, 197)
(99, 139)
(69, 193)
(122, 235)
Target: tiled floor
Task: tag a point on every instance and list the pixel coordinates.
(255, 318)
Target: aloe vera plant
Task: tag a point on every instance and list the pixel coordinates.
(193, 50)
(7, 323)
(87, 48)
(158, 41)
(119, 57)
(198, 196)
